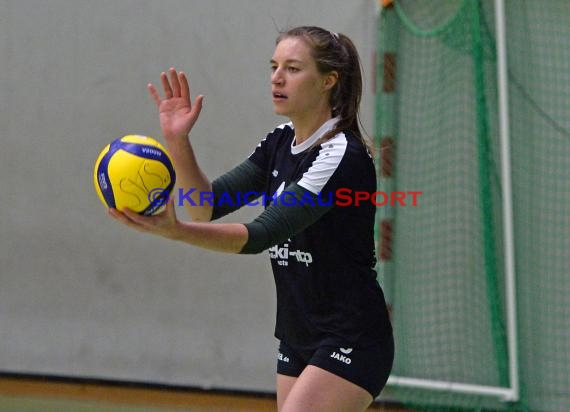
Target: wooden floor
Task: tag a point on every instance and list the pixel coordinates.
(34, 394)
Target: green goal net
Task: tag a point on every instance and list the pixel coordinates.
(442, 262)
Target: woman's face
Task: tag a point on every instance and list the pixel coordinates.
(297, 86)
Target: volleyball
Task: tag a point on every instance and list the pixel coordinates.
(134, 172)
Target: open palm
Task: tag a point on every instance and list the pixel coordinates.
(176, 112)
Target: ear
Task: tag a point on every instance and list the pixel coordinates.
(330, 80)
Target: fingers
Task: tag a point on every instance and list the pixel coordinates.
(163, 224)
(123, 218)
(136, 218)
(184, 87)
(132, 219)
(170, 211)
(154, 94)
(197, 108)
(166, 85)
(172, 87)
(174, 82)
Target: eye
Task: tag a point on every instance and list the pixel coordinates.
(273, 68)
(292, 69)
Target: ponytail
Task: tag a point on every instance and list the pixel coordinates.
(336, 52)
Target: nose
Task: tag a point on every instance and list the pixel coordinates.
(276, 77)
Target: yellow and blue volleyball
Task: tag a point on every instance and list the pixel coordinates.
(134, 172)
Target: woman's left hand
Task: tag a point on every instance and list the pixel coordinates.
(163, 224)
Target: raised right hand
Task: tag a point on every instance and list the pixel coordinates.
(176, 112)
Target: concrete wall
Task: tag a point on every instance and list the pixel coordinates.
(81, 295)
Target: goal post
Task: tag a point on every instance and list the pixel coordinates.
(412, 79)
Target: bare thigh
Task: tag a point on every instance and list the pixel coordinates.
(284, 385)
(318, 390)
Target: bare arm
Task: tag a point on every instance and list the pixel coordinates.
(274, 225)
(221, 237)
(190, 176)
(177, 118)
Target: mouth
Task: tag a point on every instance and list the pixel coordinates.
(278, 96)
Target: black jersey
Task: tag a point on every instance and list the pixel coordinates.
(327, 291)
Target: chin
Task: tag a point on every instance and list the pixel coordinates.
(279, 111)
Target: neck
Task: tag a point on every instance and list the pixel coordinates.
(305, 127)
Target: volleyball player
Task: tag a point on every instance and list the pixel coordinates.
(336, 347)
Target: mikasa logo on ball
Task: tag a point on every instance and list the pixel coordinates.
(127, 170)
(102, 181)
(150, 151)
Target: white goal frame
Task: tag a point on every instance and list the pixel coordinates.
(511, 393)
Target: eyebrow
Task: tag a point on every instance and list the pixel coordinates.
(287, 61)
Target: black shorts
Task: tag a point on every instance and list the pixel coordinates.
(367, 367)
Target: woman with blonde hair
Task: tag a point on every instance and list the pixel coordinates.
(336, 346)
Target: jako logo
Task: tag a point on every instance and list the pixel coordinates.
(283, 358)
(342, 358)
